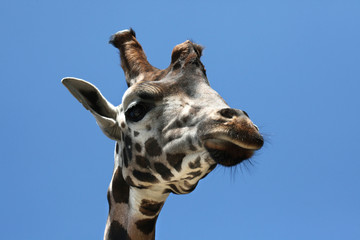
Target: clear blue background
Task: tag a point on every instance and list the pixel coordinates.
(292, 65)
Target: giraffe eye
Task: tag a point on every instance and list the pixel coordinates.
(137, 112)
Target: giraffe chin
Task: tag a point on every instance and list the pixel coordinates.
(226, 153)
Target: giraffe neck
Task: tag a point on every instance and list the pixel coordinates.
(132, 211)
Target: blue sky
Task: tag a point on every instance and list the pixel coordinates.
(292, 65)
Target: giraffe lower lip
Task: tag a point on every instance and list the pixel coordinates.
(227, 153)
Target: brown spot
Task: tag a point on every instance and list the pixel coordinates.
(142, 162)
(200, 143)
(148, 127)
(194, 174)
(178, 124)
(136, 133)
(150, 208)
(170, 138)
(120, 189)
(163, 171)
(117, 148)
(116, 231)
(174, 189)
(175, 160)
(125, 157)
(146, 225)
(145, 177)
(176, 66)
(152, 147)
(167, 190)
(195, 164)
(109, 199)
(138, 147)
(185, 119)
(191, 146)
(122, 125)
(129, 181)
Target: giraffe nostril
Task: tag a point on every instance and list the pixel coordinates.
(229, 112)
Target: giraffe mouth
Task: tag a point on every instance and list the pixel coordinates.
(227, 153)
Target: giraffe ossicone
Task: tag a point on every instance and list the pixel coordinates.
(171, 130)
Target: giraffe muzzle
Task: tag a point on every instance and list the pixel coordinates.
(226, 153)
(229, 153)
(232, 141)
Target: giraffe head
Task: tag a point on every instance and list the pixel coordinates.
(172, 128)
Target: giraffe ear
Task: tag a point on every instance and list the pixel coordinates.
(92, 99)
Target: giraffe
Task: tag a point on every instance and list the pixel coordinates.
(171, 130)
